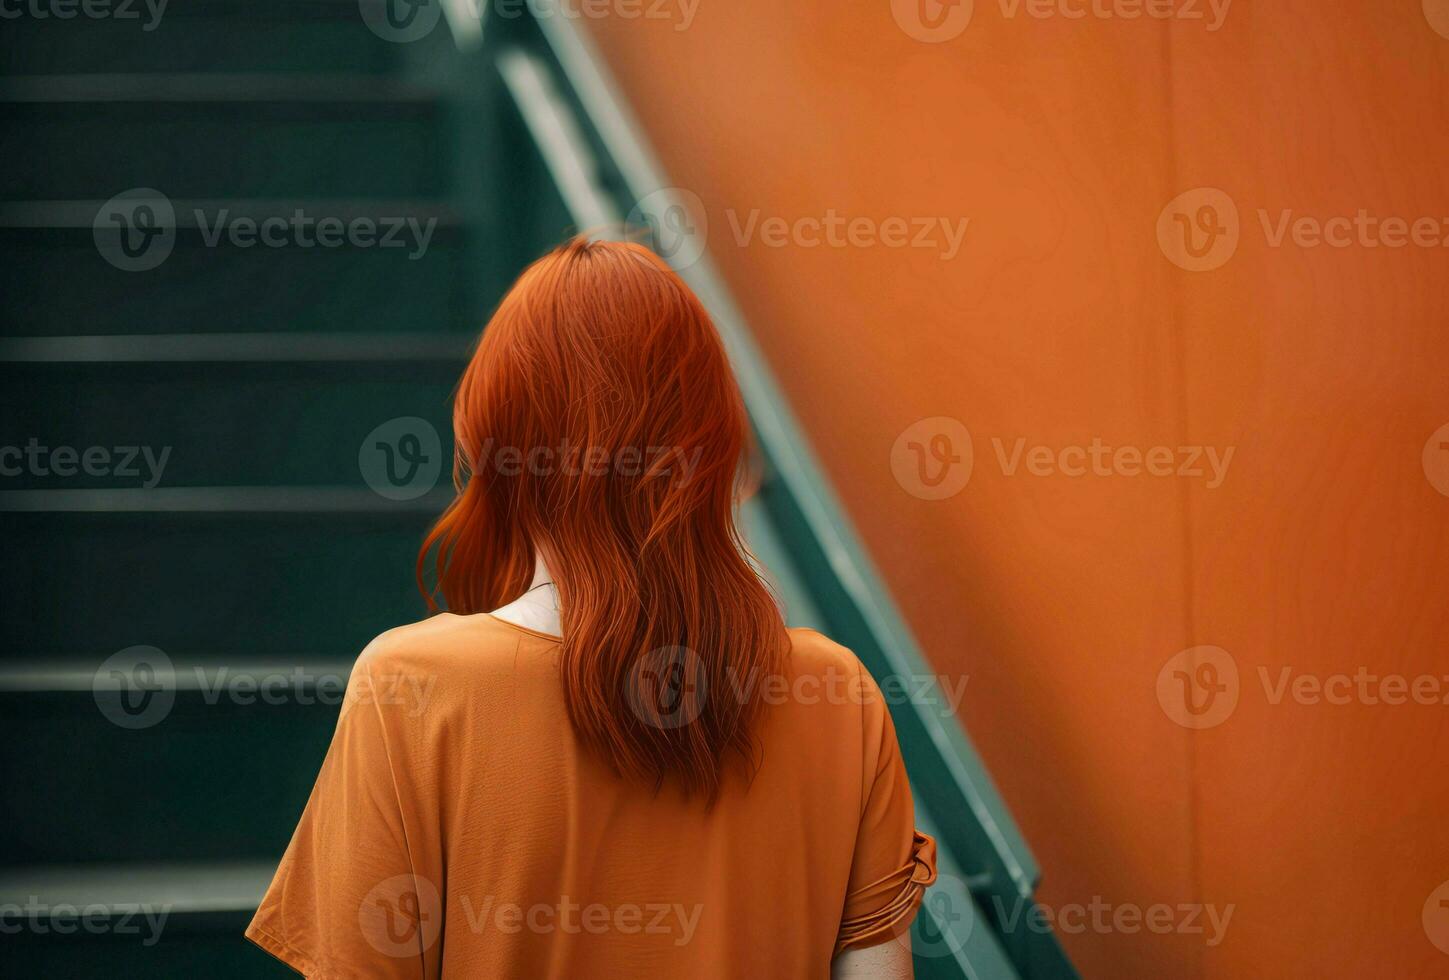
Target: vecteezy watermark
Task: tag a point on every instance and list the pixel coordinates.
(1436, 460)
(39, 918)
(402, 915)
(135, 231)
(144, 463)
(1435, 917)
(301, 685)
(402, 458)
(1209, 463)
(1105, 918)
(668, 688)
(674, 919)
(1200, 687)
(679, 12)
(302, 230)
(835, 685)
(1199, 230)
(679, 229)
(935, 21)
(137, 687)
(1211, 13)
(649, 462)
(945, 921)
(403, 21)
(147, 13)
(933, 459)
(678, 224)
(832, 229)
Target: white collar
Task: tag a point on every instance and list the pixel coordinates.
(537, 608)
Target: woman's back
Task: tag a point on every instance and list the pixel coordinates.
(459, 828)
(672, 785)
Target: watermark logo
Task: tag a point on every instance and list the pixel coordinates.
(946, 919)
(1436, 917)
(1436, 460)
(135, 688)
(667, 687)
(1199, 229)
(142, 919)
(1362, 229)
(1102, 917)
(938, 234)
(933, 21)
(1097, 458)
(151, 10)
(1437, 13)
(302, 230)
(404, 21)
(402, 458)
(1198, 688)
(682, 12)
(677, 222)
(941, 693)
(122, 463)
(675, 463)
(135, 230)
(401, 916)
(679, 229)
(933, 458)
(400, 21)
(1212, 13)
(573, 918)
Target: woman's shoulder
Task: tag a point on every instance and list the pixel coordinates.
(814, 652)
(447, 641)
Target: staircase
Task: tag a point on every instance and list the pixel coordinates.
(247, 250)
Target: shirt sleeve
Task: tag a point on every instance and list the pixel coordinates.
(347, 900)
(893, 863)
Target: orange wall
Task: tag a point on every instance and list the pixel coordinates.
(1061, 320)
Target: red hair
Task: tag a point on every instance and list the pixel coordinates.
(599, 421)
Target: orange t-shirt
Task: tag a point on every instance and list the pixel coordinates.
(459, 829)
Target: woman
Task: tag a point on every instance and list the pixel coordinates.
(629, 767)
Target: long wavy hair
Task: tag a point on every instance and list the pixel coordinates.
(599, 421)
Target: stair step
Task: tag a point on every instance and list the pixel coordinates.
(215, 500)
(391, 348)
(105, 920)
(55, 675)
(202, 148)
(268, 411)
(229, 584)
(56, 281)
(215, 775)
(198, 214)
(211, 87)
(223, 886)
(208, 35)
